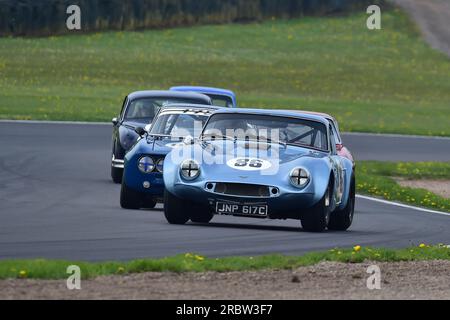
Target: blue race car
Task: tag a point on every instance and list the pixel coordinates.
(142, 183)
(263, 164)
(220, 97)
(138, 109)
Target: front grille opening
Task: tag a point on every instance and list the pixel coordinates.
(241, 189)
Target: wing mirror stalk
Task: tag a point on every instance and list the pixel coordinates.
(140, 131)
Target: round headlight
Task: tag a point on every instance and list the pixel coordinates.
(146, 164)
(160, 165)
(190, 169)
(299, 177)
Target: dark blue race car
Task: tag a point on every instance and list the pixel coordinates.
(220, 97)
(142, 183)
(138, 109)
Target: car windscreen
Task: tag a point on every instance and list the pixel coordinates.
(221, 100)
(291, 131)
(147, 108)
(179, 124)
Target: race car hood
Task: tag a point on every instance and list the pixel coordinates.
(157, 145)
(252, 162)
(127, 135)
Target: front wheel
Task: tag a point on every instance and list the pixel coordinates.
(316, 220)
(341, 220)
(117, 153)
(116, 175)
(149, 204)
(175, 209)
(201, 215)
(129, 199)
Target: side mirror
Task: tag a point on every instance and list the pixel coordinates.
(140, 131)
(115, 121)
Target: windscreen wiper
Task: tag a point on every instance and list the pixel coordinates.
(159, 136)
(221, 137)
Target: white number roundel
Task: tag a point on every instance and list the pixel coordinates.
(249, 164)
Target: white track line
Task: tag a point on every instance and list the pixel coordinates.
(402, 205)
(56, 122)
(393, 135)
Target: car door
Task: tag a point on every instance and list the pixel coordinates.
(117, 124)
(338, 169)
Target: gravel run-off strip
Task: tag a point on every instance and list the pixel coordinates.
(439, 187)
(326, 280)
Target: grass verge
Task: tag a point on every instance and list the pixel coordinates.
(54, 269)
(377, 179)
(372, 81)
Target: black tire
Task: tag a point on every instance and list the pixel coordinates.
(201, 215)
(175, 209)
(316, 220)
(116, 175)
(130, 199)
(341, 220)
(149, 204)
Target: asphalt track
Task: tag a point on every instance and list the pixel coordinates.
(57, 201)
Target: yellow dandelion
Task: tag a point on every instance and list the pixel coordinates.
(199, 258)
(357, 248)
(22, 274)
(120, 270)
(422, 245)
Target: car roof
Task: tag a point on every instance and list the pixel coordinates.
(207, 90)
(322, 114)
(277, 112)
(169, 94)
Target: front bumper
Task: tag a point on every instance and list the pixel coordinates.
(292, 205)
(153, 181)
(117, 163)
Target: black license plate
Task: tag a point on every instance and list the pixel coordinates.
(241, 209)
